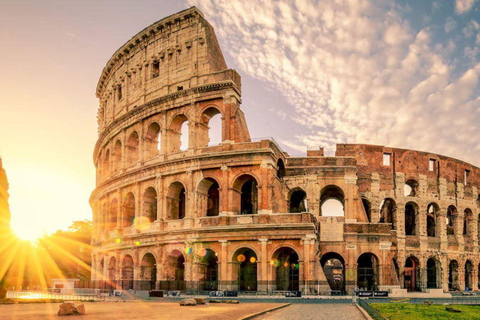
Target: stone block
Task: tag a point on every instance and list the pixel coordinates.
(71, 308)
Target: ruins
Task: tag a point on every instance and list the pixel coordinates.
(174, 211)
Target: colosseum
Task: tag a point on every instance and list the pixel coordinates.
(173, 210)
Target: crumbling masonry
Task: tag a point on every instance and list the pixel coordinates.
(243, 214)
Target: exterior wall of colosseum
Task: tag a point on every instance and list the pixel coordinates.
(243, 214)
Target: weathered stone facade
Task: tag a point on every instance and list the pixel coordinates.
(244, 215)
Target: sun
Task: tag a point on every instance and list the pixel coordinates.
(28, 233)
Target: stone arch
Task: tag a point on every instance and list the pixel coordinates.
(467, 219)
(367, 206)
(210, 127)
(297, 200)
(127, 272)
(411, 216)
(208, 192)
(432, 216)
(209, 268)
(410, 188)
(412, 274)
(468, 275)
(245, 269)
(178, 136)
(452, 217)
(367, 271)
(333, 266)
(332, 201)
(148, 271)
(117, 155)
(133, 149)
(175, 265)
(128, 210)
(150, 204)
(287, 269)
(112, 217)
(153, 140)
(388, 211)
(106, 164)
(280, 168)
(246, 194)
(434, 273)
(112, 269)
(453, 284)
(176, 201)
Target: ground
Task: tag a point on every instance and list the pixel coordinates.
(322, 311)
(136, 310)
(400, 311)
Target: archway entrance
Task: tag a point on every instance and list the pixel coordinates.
(334, 268)
(432, 282)
(468, 275)
(148, 272)
(287, 275)
(175, 272)
(367, 271)
(453, 276)
(127, 273)
(412, 274)
(210, 276)
(246, 260)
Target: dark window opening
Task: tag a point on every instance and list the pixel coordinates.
(368, 209)
(155, 69)
(249, 194)
(410, 214)
(298, 201)
(119, 92)
(213, 202)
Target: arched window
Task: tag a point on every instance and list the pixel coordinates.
(208, 193)
(432, 211)
(453, 276)
(148, 272)
(129, 210)
(452, 215)
(106, 164)
(210, 263)
(468, 215)
(280, 169)
(246, 185)
(388, 209)
(153, 140)
(434, 272)
(331, 202)
(133, 148)
(176, 204)
(213, 201)
(410, 188)
(368, 209)
(150, 204)
(179, 134)
(112, 221)
(298, 201)
(127, 272)
(412, 274)
(210, 132)
(468, 275)
(411, 210)
(245, 263)
(117, 155)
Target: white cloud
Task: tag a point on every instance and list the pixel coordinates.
(450, 25)
(354, 71)
(463, 6)
(471, 28)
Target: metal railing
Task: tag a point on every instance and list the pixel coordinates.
(42, 295)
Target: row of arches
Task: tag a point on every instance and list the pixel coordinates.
(172, 139)
(244, 264)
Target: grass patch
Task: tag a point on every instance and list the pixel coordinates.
(404, 311)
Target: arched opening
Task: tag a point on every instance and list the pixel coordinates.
(209, 262)
(367, 271)
(127, 273)
(117, 155)
(148, 272)
(334, 268)
(433, 268)
(298, 201)
(453, 276)
(412, 274)
(452, 215)
(210, 128)
(332, 201)
(432, 210)
(410, 189)
(153, 140)
(112, 269)
(176, 204)
(213, 202)
(106, 164)
(245, 261)
(208, 193)
(248, 194)
(112, 217)
(280, 169)
(468, 275)
(368, 209)
(411, 210)
(150, 204)
(468, 216)
(287, 274)
(388, 209)
(133, 150)
(129, 210)
(176, 271)
(179, 134)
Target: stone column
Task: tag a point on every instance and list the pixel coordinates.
(222, 266)
(263, 279)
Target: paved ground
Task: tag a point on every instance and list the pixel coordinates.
(135, 310)
(315, 312)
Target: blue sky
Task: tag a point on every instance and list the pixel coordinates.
(314, 73)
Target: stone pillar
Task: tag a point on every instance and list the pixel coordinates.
(223, 279)
(263, 279)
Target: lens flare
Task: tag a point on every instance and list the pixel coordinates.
(252, 259)
(202, 252)
(241, 258)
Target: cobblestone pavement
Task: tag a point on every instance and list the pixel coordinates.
(315, 312)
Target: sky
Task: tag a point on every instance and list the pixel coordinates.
(314, 73)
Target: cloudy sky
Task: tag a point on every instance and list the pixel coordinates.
(397, 73)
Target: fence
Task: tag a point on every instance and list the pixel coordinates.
(371, 311)
(36, 295)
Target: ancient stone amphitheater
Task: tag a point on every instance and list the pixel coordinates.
(174, 211)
